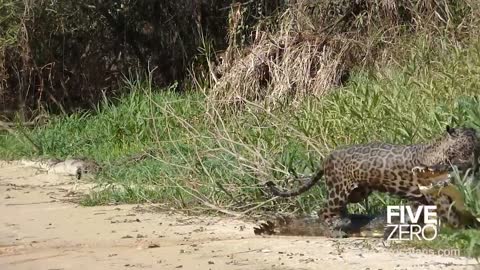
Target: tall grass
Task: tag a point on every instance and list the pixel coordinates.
(160, 146)
(188, 145)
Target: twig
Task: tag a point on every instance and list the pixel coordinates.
(221, 210)
(258, 205)
(205, 202)
(5, 126)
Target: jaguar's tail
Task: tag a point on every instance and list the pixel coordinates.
(290, 193)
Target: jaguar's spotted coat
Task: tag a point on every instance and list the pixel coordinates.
(352, 173)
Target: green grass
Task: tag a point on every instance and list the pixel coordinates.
(195, 154)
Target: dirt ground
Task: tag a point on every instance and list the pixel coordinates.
(40, 229)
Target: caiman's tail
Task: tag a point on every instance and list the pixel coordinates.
(290, 193)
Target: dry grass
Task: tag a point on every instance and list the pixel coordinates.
(311, 48)
(284, 67)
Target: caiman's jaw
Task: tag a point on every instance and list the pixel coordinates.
(429, 172)
(433, 175)
(445, 166)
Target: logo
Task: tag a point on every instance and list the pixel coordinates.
(403, 230)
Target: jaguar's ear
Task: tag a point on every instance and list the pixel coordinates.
(450, 130)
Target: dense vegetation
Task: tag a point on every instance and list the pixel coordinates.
(400, 75)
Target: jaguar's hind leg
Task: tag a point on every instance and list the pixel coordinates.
(334, 213)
